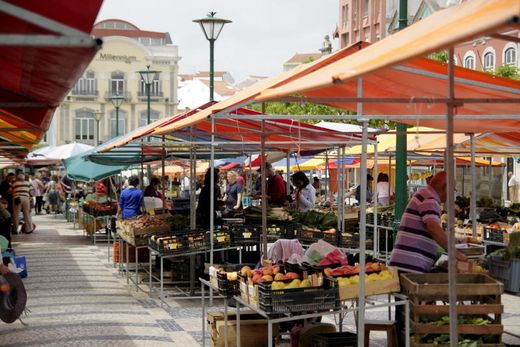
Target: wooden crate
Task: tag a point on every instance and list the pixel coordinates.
(389, 285)
(477, 295)
(253, 329)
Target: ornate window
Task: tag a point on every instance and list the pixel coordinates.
(469, 62)
(117, 83)
(154, 115)
(120, 120)
(510, 56)
(489, 61)
(86, 85)
(85, 126)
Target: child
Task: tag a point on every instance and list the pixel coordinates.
(5, 221)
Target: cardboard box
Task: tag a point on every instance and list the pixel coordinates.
(253, 329)
(383, 286)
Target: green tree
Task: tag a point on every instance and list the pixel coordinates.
(508, 71)
(308, 108)
(441, 56)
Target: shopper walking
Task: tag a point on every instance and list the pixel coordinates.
(38, 189)
(22, 202)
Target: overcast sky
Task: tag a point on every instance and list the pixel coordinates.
(263, 35)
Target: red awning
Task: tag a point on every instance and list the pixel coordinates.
(46, 46)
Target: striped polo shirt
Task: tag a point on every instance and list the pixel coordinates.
(414, 249)
(21, 188)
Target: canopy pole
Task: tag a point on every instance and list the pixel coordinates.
(376, 204)
(362, 221)
(327, 175)
(193, 187)
(212, 192)
(342, 189)
(287, 183)
(473, 196)
(490, 176)
(163, 186)
(264, 192)
(142, 166)
(450, 203)
(338, 185)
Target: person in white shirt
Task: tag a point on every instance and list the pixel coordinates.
(513, 187)
(305, 194)
(383, 189)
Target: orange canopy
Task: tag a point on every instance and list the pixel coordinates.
(391, 70)
(248, 94)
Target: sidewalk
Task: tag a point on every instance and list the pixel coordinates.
(77, 299)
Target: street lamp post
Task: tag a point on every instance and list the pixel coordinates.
(117, 101)
(97, 116)
(148, 76)
(211, 27)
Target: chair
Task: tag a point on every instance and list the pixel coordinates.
(390, 326)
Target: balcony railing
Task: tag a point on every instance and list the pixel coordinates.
(85, 93)
(153, 95)
(110, 94)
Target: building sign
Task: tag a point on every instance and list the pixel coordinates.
(118, 58)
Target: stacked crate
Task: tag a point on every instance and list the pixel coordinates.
(478, 295)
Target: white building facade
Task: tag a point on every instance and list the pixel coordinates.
(114, 72)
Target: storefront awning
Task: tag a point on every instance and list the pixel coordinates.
(45, 47)
(405, 84)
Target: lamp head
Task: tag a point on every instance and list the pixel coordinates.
(211, 26)
(148, 75)
(117, 100)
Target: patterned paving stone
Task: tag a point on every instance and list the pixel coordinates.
(169, 325)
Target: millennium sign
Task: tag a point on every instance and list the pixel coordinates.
(112, 57)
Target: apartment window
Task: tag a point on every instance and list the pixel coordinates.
(85, 125)
(86, 85)
(157, 42)
(155, 87)
(469, 62)
(154, 115)
(510, 56)
(145, 41)
(365, 8)
(344, 16)
(489, 61)
(114, 120)
(117, 83)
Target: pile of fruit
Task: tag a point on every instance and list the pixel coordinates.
(145, 222)
(374, 272)
(267, 274)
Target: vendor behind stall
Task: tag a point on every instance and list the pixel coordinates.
(204, 205)
(234, 192)
(276, 189)
(152, 189)
(420, 232)
(305, 194)
(100, 195)
(131, 200)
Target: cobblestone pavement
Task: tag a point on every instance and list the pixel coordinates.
(77, 299)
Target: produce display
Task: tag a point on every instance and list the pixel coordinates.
(100, 209)
(136, 230)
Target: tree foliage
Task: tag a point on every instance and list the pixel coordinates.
(441, 56)
(308, 108)
(508, 71)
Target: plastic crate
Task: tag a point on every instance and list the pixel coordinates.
(245, 234)
(297, 300)
(226, 287)
(492, 234)
(221, 239)
(344, 339)
(167, 243)
(331, 238)
(194, 239)
(507, 272)
(309, 236)
(348, 240)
